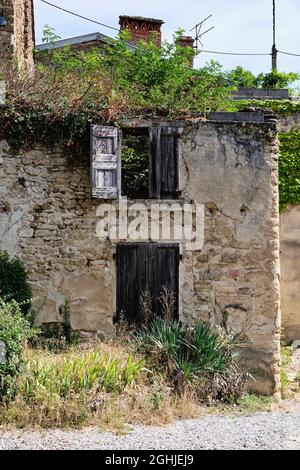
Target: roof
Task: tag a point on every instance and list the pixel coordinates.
(97, 37)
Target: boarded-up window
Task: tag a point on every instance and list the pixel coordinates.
(105, 162)
(151, 268)
(164, 168)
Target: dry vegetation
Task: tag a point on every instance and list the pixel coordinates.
(102, 384)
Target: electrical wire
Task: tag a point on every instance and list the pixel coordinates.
(201, 50)
(234, 53)
(289, 53)
(80, 16)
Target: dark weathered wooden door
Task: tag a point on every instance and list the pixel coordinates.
(146, 267)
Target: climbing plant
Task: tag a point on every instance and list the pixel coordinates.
(289, 168)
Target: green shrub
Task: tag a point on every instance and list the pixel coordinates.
(14, 331)
(13, 281)
(194, 358)
(277, 80)
(243, 78)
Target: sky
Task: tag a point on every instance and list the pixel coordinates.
(240, 25)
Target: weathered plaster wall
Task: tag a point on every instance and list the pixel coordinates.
(288, 122)
(17, 37)
(236, 276)
(47, 217)
(290, 272)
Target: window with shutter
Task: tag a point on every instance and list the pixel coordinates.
(105, 162)
(164, 167)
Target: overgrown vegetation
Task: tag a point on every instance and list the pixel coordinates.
(289, 168)
(166, 370)
(107, 384)
(193, 359)
(14, 331)
(13, 282)
(58, 102)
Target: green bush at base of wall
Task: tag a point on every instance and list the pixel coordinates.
(13, 282)
(14, 331)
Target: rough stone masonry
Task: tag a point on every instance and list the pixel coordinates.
(48, 218)
(17, 35)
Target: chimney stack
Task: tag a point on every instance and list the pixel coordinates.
(141, 29)
(187, 41)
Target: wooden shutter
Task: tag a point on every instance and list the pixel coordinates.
(164, 273)
(105, 162)
(145, 267)
(164, 165)
(132, 280)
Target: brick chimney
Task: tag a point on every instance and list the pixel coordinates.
(141, 29)
(17, 32)
(187, 41)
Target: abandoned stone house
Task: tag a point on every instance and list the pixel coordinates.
(222, 171)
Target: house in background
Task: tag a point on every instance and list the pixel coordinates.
(140, 29)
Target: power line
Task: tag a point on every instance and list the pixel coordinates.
(289, 53)
(80, 16)
(234, 53)
(201, 50)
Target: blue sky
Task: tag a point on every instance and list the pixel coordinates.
(240, 25)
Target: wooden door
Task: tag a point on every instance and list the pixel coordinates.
(146, 267)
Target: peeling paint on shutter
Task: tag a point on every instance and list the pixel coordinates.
(105, 162)
(164, 167)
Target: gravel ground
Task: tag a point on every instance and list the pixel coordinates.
(278, 430)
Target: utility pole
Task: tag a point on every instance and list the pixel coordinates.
(274, 49)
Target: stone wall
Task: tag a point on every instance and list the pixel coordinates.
(287, 122)
(17, 37)
(47, 217)
(290, 272)
(261, 94)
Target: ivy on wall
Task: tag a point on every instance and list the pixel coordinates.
(289, 168)
(23, 126)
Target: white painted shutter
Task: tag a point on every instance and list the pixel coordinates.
(105, 162)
